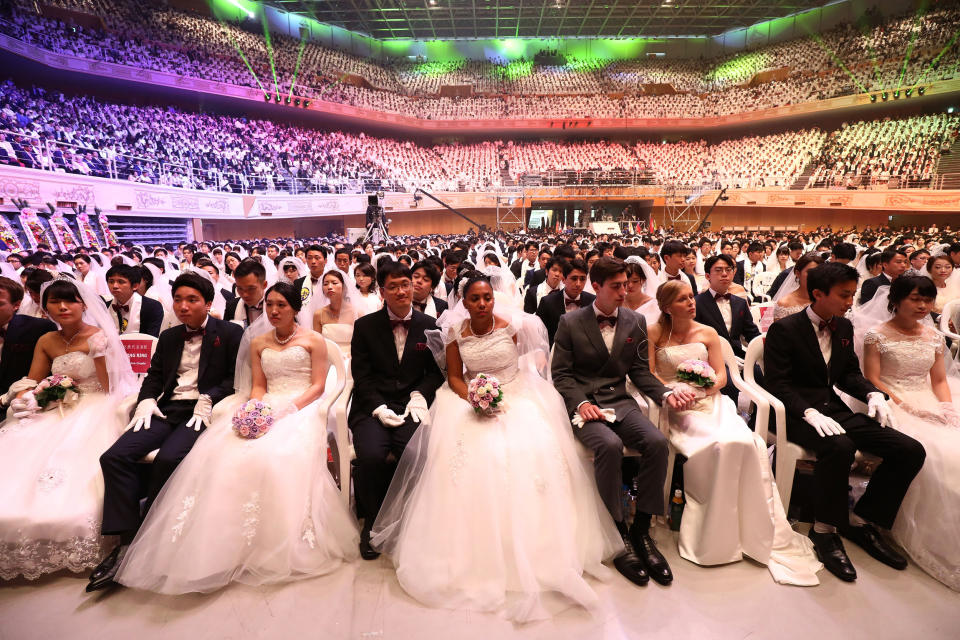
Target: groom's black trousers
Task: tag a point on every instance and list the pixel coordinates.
(902, 459)
(373, 444)
(606, 441)
(121, 480)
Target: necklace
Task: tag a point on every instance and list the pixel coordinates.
(493, 325)
(285, 340)
(70, 341)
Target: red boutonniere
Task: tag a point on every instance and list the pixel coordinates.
(629, 340)
(844, 342)
(421, 346)
(216, 341)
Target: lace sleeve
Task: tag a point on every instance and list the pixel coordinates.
(941, 343)
(97, 344)
(874, 337)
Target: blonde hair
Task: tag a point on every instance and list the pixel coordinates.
(667, 294)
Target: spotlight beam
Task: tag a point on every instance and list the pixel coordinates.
(273, 68)
(836, 59)
(933, 62)
(913, 38)
(236, 46)
(296, 68)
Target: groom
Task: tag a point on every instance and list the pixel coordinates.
(806, 355)
(394, 381)
(191, 371)
(595, 349)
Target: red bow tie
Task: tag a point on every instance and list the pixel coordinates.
(123, 308)
(676, 277)
(830, 324)
(722, 296)
(190, 334)
(400, 323)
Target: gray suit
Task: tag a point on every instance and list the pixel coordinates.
(584, 370)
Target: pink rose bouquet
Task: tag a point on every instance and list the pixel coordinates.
(56, 390)
(253, 419)
(697, 373)
(484, 394)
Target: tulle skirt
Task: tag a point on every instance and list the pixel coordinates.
(51, 498)
(251, 511)
(733, 507)
(929, 516)
(497, 514)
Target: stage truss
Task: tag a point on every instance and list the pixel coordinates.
(683, 207)
(511, 211)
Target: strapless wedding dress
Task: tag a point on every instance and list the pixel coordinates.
(732, 507)
(930, 514)
(497, 514)
(51, 499)
(251, 511)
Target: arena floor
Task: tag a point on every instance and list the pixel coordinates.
(364, 601)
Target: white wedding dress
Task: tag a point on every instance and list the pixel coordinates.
(732, 507)
(497, 514)
(252, 511)
(930, 514)
(51, 499)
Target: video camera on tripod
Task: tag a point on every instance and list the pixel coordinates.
(377, 224)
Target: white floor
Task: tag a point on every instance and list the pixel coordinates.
(365, 601)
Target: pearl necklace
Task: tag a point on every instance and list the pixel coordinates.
(493, 325)
(70, 341)
(287, 339)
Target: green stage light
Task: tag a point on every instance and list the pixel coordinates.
(296, 102)
(873, 98)
(306, 103)
(896, 94)
(266, 97)
(922, 90)
(884, 96)
(286, 100)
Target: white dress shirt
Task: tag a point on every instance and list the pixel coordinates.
(399, 332)
(725, 311)
(607, 332)
(824, 336)
(188, 373)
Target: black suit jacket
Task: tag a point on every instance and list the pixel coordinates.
(228, 295)
(218, 360)
(151, 315)
(794, 370)
(378, 377)
(869, 288)
(553, 306)
(741, 321)
(230, 309)
(23, 332)
(534, 277)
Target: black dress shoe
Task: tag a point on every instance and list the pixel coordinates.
(629, 565)
(367, 552)
(105, 565)
(869, 539)
(653, 561)
(831, 553)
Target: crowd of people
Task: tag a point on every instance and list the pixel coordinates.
(841, 61)
(49, 130)
(470, 356)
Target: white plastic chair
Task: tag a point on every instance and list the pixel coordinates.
(949, 311)
(332, 398)
(760, 284)
(345, 450)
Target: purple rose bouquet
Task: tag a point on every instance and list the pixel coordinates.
(253, 419)
(484, 394)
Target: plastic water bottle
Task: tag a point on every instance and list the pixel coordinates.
(676, 510)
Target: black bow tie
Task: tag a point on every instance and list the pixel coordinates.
(830, 324)
(603, 321)
(190, 334)
(419, 306)
(258, 307)
(121, 308)
(722, 296)
(400, 323)
(676, 277)
(575, 301)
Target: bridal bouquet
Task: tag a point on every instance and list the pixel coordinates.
(58, 389)
(484, 394)
(253, 419)
(697, 373)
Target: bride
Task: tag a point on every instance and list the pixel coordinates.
(498, 512)
(793, 296)
(733, 507)
(335, 314)
(905, 359)
(252, 511)
(51, 499)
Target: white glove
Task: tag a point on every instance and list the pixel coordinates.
(23, 384)
(201, 413)
(879, 410)
(143, 414)
(387, 417)
(950, 416)
(24, 406)
(825, 425)
(417, 409)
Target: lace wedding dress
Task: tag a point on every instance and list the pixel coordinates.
(251, 511)
(929, 517)
(780, 311)
(733, 507)
(497, 513)
(51, 499)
